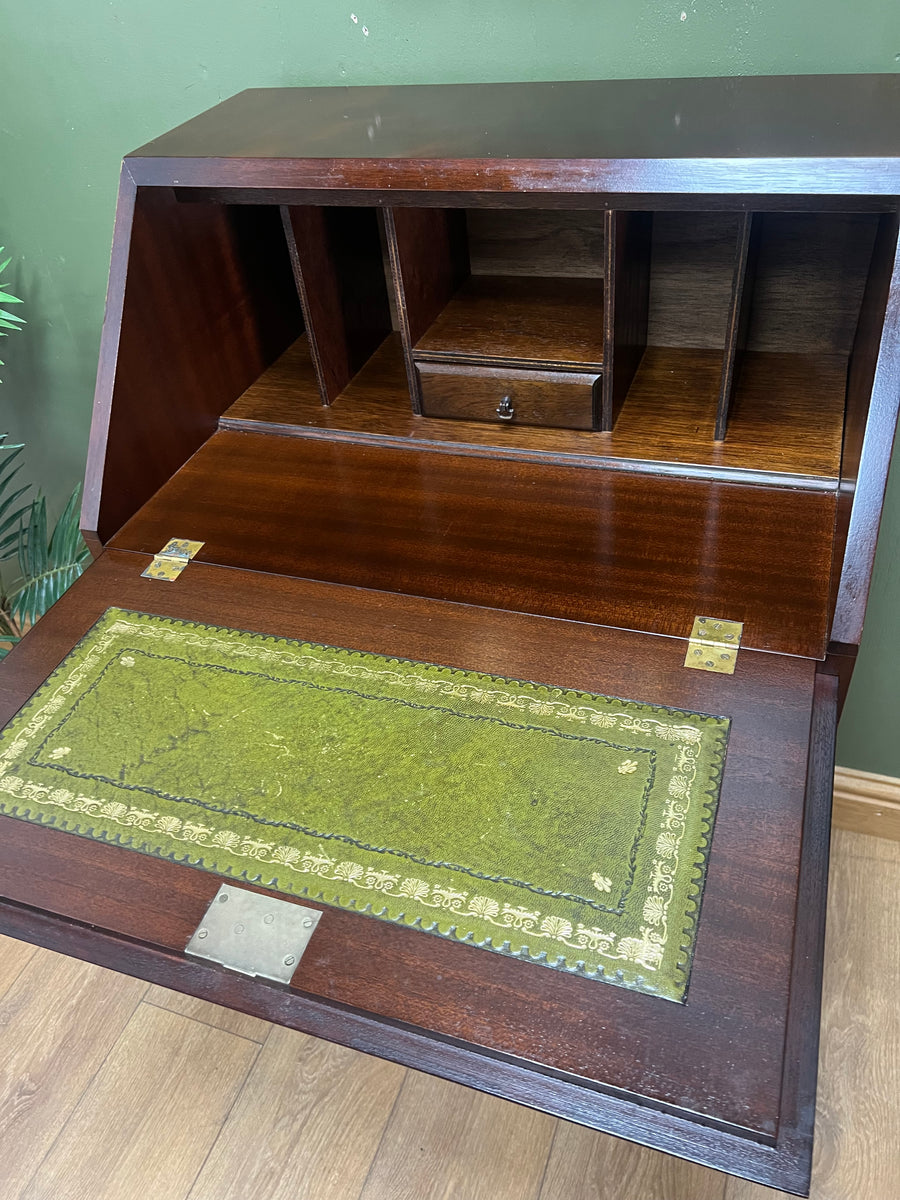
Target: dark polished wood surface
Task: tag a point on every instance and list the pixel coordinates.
(628, 252)
(871, 430)
(738, 323)
(537, 242)
(336, 258)
(429, 259)
(504, 396)
(202, 301)
(679, 1057)
(812, 133)
(638, 552)
(520, 320)
(786, 427)
(801, 1051)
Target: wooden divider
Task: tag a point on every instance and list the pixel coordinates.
(738, 317)
(626, 307)
(336, 257)
(429, 260)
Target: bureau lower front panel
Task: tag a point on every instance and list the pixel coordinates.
(726, 1079)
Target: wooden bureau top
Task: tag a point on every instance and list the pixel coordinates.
(816, 134)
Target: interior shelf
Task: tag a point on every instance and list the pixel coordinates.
(787, 412)
(787, 415)
(520, 320)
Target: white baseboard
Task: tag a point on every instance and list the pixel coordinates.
(866, 803)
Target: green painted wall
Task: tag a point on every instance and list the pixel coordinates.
(81, 84)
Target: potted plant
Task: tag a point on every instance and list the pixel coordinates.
(38, 567)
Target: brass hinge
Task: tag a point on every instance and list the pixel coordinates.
(713, 645)
(172, 559)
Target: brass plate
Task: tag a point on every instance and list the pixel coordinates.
(254, 934)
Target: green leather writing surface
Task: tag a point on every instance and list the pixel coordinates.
(568, 829)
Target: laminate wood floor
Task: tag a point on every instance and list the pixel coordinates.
(114, 1090)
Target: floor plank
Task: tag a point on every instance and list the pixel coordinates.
(150, 1115)
(209, 1014)
(58, 1021)
(445, 1140)
(14, 957)
(857, 1152)
(307, 1124)
(591, 1166)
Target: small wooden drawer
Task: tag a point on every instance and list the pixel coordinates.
(506, 396)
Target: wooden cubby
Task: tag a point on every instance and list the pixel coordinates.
(501, 314)
(715, 342)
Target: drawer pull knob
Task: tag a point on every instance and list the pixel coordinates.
(505, 410)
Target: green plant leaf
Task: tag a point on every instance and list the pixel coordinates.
(33, 561)
(10, 517)
(11, 523)
(48, 568)
(8, 320)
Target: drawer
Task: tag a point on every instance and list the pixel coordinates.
(507, 396)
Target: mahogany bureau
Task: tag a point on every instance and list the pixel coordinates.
(520, 378)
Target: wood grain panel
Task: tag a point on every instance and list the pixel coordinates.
(443, 1140)
(429, 260)
(538, 321)
(59, 1021)
(817, 135)
(536, 242)
(628, 241)
(307, 1123)
(336, 257)
(209, 303)
(690, 278)
(810, 277)
(738, 323)
(873, 390)
(632, 551)
(151, 1113)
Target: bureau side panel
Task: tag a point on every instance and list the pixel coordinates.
(201, 301)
